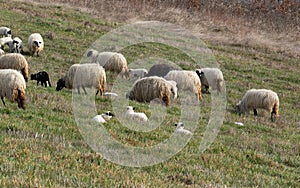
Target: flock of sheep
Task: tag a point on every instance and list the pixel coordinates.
(161, 82)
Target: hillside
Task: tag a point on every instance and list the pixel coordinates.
(43, 146)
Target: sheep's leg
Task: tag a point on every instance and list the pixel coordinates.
(2, 98)
(255, 112)
(97, 92)
(78, 90)
(49, 83)
(273, 114)
(45, 83)
(84, 90)
(37, 83)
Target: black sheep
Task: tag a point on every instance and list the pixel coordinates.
(42, 77)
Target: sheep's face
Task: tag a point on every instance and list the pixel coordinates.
(238, 108)
(180, 124)
(37, 43)
(60, 84)
(130, 108)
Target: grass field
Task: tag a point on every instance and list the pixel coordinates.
(43, 147)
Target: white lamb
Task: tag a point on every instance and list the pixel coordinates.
(259, 98)
(213, 77)
(16, 46)
(138, 116)
(35, 43)
(5, 31)
(104, 117)
(137, 73)
(180, 129)
(186, 81)
(5, 41)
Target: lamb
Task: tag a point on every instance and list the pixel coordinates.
(5, 31)
(149, 88)
(42, 77)
(137, 73)
(214, 78)
(186, 81)
(135, 116)
(87, 75)
(259, 98)
(35, 44)
(15, 61)
(12, 86)
(104, 117)
(180, 129)
(161, 70)
(16, 45)
(111, 61)
(5, 41)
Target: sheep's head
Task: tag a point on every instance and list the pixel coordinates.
(180, 124)
(202, 77)
(60, 84)
(130, 108)
(238, 108)
(33, 76)
(37, 43)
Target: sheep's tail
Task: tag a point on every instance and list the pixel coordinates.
(24, 72)
(19, 96)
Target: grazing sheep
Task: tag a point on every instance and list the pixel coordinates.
(149, 88)
(174, 88)
(104, 117)
(213, 77)
(12, 86)
(35, 44)
(186, 81)
(180, 129)
(5, 31)
(15, 61)
(259, 98)
(1, 52)
(111, 61)
(5, 41)
(42, 77)
(87, 75)
(137, 73)
(161, 70)
(16, 46)
(135, 116)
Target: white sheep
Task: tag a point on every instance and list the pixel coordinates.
(5, 31)
(135, 116)
(111, 61)
(186, 81)
(104, 117)
(259, 98)
(213, 77)
(15, 61)
(12, 86)
(180, 129)
(87, 75)
(16, 45)
(149, 88)
(5, 41)
(35, 43)
(137, 73)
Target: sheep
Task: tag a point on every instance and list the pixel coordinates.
(15, 61)
(104, 117)
(149, 88)
(16, 45)
(161, 70)
(35, 44)
(5, 31)
(137, 73)
(180, 129)
(259, 98)
(12, 86)
(214, 78)
(5, 41)
(42, 77)
(135, 116)
(186, 81)
(111, 61)
(87, 75)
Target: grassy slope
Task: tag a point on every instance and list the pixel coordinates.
(42, 147)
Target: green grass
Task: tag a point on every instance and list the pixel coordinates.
(42, 146)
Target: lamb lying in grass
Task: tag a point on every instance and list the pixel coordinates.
(136, 116)
(104, 117)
